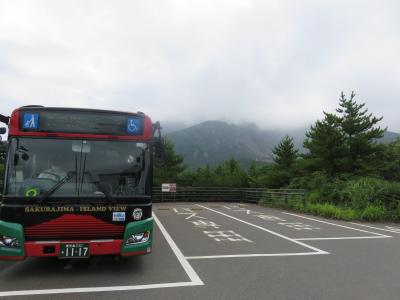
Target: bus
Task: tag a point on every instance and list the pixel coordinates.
(77, 183)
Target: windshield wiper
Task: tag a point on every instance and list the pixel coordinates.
(55, 187)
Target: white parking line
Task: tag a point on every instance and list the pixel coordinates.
(338, 225)
(267, 230)
(256, 255)
(95, 289)
(345, 238)
(194, 278)
(377, 228)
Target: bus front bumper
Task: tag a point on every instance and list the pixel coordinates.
(128, 246)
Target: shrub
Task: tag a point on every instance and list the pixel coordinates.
(373, 213)
(321, 187)
(363, 192)
(326, 210)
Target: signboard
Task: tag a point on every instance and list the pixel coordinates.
(82, 122)
(30, 121)
(168, 188)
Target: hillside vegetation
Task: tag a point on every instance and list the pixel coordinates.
(213, 142)
(347, 173)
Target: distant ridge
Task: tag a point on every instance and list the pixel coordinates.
(212, 142)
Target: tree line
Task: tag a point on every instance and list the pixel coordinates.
(347, 172)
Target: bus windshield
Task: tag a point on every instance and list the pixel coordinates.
(78, 168)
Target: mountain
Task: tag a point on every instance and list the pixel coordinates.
(211, 142)
(389, 137)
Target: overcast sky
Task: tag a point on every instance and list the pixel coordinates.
(275, 63)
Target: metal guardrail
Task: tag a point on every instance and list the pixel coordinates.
(220, 194)
(285, 197)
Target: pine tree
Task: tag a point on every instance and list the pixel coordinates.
(359, 130)
(284, 153)
(346, 142)
(325, 142)
(229, 173)
(169, 169)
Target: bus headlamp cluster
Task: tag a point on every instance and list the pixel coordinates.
(138, 238)
(10, 242)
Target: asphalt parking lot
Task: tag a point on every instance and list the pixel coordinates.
(227, 251)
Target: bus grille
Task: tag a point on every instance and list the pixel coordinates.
(72, 226)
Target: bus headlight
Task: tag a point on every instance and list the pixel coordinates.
(138, 238)
(137, 214)
(10, 242)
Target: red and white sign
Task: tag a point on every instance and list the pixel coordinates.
(168, 188)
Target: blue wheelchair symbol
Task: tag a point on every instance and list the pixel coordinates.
(30, 121)
(134, 125)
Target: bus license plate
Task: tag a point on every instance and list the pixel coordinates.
(77, 250)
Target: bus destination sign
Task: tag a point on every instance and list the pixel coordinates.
(81, 122)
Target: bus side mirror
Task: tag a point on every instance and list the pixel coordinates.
(158, 143)
(3, 130)
(159, 150)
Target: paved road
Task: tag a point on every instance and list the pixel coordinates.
(228, 251)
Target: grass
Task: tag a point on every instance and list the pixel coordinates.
(371, 213)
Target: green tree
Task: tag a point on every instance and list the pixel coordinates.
(284, 153)
(325, 142)
(359, 130)
(205, 177)
(386, 162)
(229, 173)
(345, 142)
(170, 168)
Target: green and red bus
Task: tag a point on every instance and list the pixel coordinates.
(77, 183)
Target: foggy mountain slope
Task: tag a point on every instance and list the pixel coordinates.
(211, 142)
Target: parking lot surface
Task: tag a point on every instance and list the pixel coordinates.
(227, 251)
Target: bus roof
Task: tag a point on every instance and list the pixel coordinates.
(39, 121)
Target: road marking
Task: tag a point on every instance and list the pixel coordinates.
(372, 227)
(299, 226)
(205, 224)
(345, 238)
(95, 289)
(255, 255)
(270, 218)
(194, 278)
(226, 236)
(333, 224)
(267, 230)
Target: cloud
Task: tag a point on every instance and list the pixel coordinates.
(275, 63)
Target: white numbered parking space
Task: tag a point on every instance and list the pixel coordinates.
(299, 226)
(207, 231)
(226, 230)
